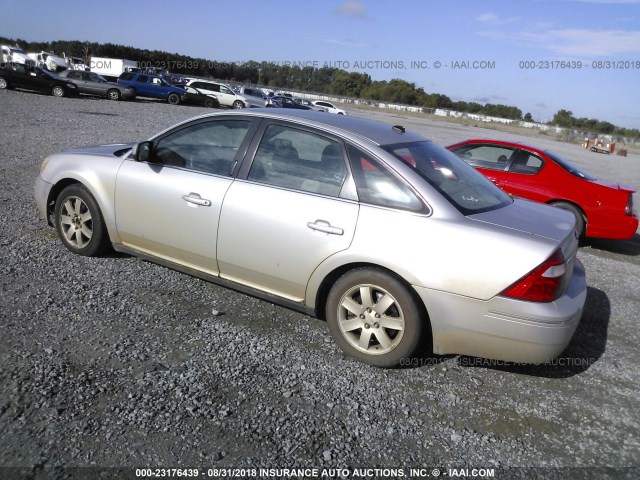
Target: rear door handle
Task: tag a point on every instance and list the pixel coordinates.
(196, 199)
(325, 227)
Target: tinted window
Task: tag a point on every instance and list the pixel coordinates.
(377, 186)
(525, 162)
(208, 147)
(299, 160)
(467, 189)
(143, 79)
(570, 167)
(74, 75)
(493, 157)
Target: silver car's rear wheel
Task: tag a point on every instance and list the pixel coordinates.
(79, 222)
(373, 317)
(113, 94)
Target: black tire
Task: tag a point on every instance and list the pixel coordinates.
(58, 91)
(390, 326)
(173, 99)
(238, 104)
(79, 222)
(209, 103)
(577, 213)
(113, 94)
(4, 85)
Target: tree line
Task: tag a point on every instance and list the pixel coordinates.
(329, 80)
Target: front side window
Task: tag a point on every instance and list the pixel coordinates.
(208, 147)
(467, 189)
(378, 186)
(299, 160)
(143, 79)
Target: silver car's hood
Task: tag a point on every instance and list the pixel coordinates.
(532, 218)
(116, 149)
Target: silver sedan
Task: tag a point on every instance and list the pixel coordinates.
(392, 239)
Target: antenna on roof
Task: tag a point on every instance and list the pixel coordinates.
(399, 128)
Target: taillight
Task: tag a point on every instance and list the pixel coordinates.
(543, 284)
(629, 208)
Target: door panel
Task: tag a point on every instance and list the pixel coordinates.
(170, 212)
(273, 239)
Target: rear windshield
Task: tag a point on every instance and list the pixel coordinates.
(570, 167)
(467, 190)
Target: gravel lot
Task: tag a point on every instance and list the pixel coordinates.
(118, 363)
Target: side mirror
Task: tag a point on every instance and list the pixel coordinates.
(143, 151)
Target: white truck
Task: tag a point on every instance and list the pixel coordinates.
(112, 68)
(50, 61)
(15, 54)
(76, 63)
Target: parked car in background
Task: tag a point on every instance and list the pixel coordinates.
(152, 86)
(255, 97)
(287, 102)
(392, 239)
(93, 84)
(15, 55)
(307, 103)
(18, 75)
(50, 61)
(194, 96)
(330, 107)
(601, 209)
(225, 95)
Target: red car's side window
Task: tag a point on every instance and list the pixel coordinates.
(525, 162)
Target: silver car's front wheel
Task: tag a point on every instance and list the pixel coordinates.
(374, 317)
(79, 222)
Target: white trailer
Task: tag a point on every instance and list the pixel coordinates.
(112, 68)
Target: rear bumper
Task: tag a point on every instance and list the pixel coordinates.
(615, 228)
(505, 329)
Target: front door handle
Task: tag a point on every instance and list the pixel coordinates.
(196, 199)
(325, 227)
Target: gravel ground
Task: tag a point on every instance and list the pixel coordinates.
(115, 363)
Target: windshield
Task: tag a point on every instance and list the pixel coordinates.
(570, 167)
(467, 190)
(48, 73)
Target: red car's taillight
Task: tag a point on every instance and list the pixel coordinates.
(629, 208)
(543, 284)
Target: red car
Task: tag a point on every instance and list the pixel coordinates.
(602, 209)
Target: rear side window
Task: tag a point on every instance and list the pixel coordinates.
(492, 157)
(525, 162)
(299, 160)
(143, 79)
(378, 186)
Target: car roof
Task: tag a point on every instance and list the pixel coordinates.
(376, 132)
(505, 143)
